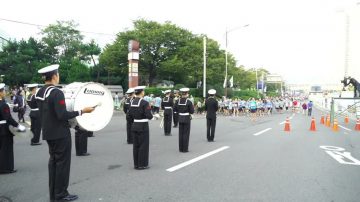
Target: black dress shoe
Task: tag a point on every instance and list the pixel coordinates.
(143, 168)
(7, 171)
(35, 144)
(69, 198)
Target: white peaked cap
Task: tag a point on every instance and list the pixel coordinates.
(139, 87)
(167, 91)
(2, 85)
(48, 69)
(212, 92)
(33, 85)
(129, 91)
(184, 89)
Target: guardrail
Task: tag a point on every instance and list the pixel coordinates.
(350, 109)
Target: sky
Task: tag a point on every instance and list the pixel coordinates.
(303, 41)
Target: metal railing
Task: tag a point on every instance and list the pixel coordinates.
(353, 108)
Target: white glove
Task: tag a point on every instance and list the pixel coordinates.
(21, 128)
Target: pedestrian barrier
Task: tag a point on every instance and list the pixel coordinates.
(287, 124)
(335, 125)
(313, 125)
(357, 126)
(322, 120)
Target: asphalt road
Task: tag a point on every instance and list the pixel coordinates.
(259, 162)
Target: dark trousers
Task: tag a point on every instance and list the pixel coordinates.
(184, 135)
(130, 138)
(176, 119)
(6, 153)
(81, 140)
(210, 123)
(59, 167)
(167, 123)
(156, 110)
(21, 113)
(309, 111)
(35, 129)
(141, 148)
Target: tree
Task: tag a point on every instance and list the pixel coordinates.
(64, 42)
(20, 61)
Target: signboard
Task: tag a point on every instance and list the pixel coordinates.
(133, 46)
(133, 56)
(273, 78)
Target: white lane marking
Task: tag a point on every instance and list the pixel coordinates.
(340, 155)
(281, 123)
(344, 128)
(263, 131)
(186, 163)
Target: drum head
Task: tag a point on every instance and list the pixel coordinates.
(94, 94)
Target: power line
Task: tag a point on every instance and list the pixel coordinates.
(38, 25)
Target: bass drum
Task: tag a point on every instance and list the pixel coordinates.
(80, 95)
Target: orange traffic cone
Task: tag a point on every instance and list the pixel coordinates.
(357, 126)
(313, 126)
(335, 125)
(322, 120)
(287, 124)
(346, 119)
(327, 121)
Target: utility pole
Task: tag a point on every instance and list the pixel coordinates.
(226, 53)
(204, 82)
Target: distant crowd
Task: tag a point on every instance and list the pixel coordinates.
(240, 107)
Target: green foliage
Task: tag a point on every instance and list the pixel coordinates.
(78, 72)
(196, 92)
(245, 94)
(179, 85)
(155, 91)
(19, 61)
(167, 52)
(272, 94)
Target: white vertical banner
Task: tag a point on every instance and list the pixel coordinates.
(224, 85)
(231, 81)
(204, 83)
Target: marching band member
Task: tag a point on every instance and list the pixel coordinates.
(56, 131)
(6, 136)
(211, 107)
(185, 109)
(167, 105)
(129, 121)
(140, 112)
(34, 115)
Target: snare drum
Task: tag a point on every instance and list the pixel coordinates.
(80, 95)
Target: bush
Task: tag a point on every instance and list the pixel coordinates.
(155, 91)
(245, 94)
(178, 86)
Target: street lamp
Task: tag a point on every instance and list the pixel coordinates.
(226, 52)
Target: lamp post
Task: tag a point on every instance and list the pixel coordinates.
(226, 52)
